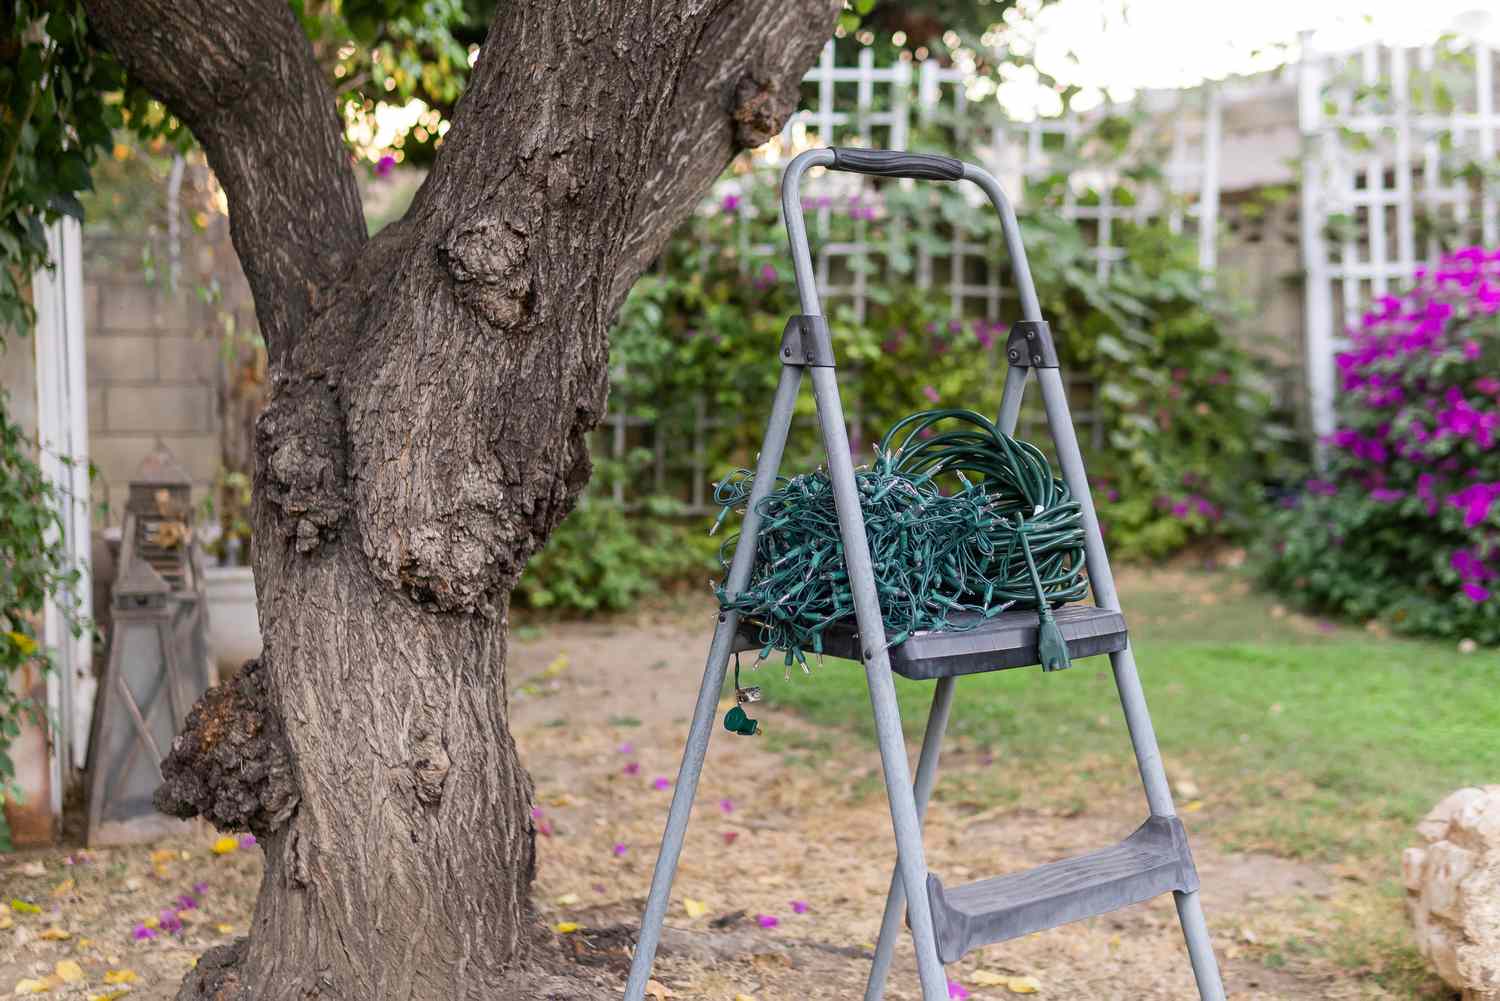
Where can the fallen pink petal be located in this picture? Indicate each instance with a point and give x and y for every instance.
(799, 907)
(199, 889)
(619, 849)
(634, 768)
(662, 783)
(626, 748)
(142, 933)
(766, 920)
(247, 841)
(726, 804)
(957, 990)
(729, 837)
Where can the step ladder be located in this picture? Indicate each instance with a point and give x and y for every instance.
(945, 922)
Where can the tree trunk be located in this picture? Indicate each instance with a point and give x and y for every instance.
(431, 393)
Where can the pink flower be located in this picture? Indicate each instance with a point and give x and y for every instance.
(731, 204)
(634, 768)
(626, 748)
(1477, 593)
(384, 167)
(930, 393)
(661, 784)
(170, 922)
(799, 907)
(619, 849)
(142, 933)
(766, 921)
(185, 903)
(726, 804)
(957, 990)
(200, 888)
(247, 841)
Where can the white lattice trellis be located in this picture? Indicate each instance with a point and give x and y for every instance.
(1383, 180)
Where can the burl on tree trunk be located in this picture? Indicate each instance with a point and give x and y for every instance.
(432, 389)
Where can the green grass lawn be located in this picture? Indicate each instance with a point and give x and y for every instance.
(1307, 739)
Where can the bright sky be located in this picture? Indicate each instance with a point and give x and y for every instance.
(1125, 45)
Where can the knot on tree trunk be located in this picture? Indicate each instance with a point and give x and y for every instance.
(486, 258)
(216, 975)
(229, 765)
(759, 110)
(300, 436)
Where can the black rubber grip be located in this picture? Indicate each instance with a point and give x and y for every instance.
(896, 163)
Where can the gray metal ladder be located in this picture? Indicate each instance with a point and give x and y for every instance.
(945, 923)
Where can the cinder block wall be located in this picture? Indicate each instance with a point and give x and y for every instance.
(155, 351)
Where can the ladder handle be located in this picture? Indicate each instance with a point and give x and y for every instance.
(897, 163)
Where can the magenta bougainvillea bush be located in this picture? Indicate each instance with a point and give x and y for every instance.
(1404, 526)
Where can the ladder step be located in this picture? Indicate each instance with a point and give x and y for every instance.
(1153, 860)
(1008, 640)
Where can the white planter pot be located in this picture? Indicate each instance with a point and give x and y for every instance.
(233, 626)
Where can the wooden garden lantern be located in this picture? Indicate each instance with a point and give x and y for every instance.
(158, 656)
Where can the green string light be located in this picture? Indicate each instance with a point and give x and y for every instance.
(965, 520)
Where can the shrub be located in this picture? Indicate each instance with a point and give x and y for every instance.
(1188, 429)
(604, 559)
(1404, 526)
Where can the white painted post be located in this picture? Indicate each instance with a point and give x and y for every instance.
(63, 429)
(1318, 295)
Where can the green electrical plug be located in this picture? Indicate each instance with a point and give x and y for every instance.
(736, 721)
(1051, 648)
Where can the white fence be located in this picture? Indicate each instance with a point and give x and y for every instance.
(1398, 161)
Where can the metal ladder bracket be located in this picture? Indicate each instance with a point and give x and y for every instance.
(1030, 345)
(806, 342)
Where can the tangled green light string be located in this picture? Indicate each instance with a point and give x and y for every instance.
(959, 521)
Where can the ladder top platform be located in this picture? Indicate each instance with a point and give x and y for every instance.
(1008, 640)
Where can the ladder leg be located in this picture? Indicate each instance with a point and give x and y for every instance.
(1127, 680)
(927, 762)
(898, 788)
(708, 693)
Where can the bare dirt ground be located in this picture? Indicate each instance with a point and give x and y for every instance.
(782, 883)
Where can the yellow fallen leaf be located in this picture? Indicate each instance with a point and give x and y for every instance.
(68, 971)
(31, 987)
(63, 889)
(225, 845)
(6, 921)
(55, 934)
(152, 922)
(558, 666)
(984, 978)
(1023, 985)
(120, 977)
(657, 989)
(184, 855)
(567, 900)
(163, 855)
(84, 943)
(1193, 807)
(565, 927)
(224, 929)
(743, 997)
(694, 908)
(24, 907)
(110, 995)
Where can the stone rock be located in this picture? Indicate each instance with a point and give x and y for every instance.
(1453, 891)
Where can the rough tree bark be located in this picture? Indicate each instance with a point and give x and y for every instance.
(431, 393)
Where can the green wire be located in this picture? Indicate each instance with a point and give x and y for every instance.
(962, 524)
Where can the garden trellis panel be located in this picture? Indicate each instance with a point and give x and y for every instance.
(1398, 151)
(865, 104)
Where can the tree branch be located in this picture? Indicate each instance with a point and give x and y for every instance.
(242, 76)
